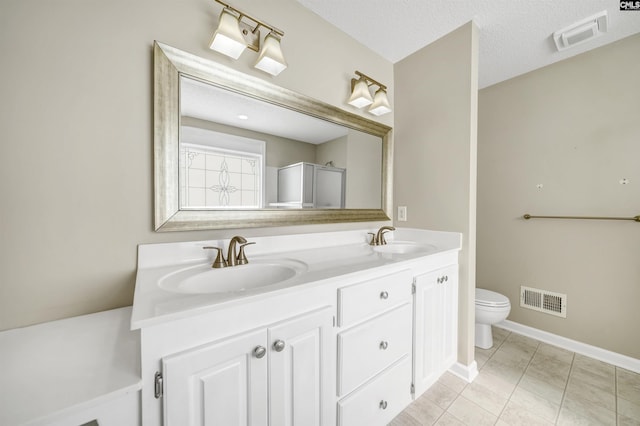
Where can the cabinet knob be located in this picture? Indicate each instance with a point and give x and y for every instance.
(384, 345)
(384, 295)
(278, 345)
(383, 404)
(259, 351)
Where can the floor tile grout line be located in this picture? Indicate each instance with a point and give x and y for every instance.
(495, 352)
(468, 384)
(521, 376)
(564, 391)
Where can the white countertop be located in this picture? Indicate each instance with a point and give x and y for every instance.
(50, 369)
(327, 255)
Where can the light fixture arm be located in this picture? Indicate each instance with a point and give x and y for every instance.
(258, 22)
(369, 80)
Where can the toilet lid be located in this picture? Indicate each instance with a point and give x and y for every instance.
(490, 298)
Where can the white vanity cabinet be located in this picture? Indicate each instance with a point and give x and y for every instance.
(278, 375)
(350, 341)
(374, 349)
(436, 325)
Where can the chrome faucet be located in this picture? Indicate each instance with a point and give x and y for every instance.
(232, 256)
(378, 238)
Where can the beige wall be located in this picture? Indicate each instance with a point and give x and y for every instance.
(364, 188)
(435, 155)
(76, 157)
(335, 150)
(572, 127)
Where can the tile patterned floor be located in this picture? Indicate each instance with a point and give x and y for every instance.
(525, 382)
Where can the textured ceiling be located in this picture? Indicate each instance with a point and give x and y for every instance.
(515, 35)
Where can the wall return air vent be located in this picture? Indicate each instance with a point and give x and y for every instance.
(582, 31)
(543, 301)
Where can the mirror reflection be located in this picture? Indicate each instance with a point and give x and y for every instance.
(237, 152)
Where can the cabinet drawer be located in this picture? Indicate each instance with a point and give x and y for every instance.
(369, 298)
(367, 349)
(379, 401)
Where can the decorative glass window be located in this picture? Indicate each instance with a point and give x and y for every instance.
(216, 177)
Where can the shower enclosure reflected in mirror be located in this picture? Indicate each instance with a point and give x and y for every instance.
(234, 151)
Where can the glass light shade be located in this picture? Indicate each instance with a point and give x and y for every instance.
(228, 38)
(271, 60)
(360, 95)
(380, 103)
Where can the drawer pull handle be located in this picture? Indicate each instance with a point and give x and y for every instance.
(383, 404)
(384, 345)
(259, 351)
(384, 295)
(278, 345)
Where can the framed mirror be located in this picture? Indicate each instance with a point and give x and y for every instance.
(235, 151)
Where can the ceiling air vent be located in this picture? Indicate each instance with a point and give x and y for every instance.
(581, 31)
(543, 301)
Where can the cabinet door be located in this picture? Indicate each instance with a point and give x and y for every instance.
(222, 383)
(435, 328)
(301, 373)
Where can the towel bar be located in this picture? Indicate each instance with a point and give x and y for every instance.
(635, 218)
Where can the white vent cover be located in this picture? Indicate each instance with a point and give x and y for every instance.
(581, 31)
(543, 301)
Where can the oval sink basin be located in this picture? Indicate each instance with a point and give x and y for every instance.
(203, 279)
(404, 247)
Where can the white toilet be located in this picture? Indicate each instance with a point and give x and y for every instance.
(491, 308)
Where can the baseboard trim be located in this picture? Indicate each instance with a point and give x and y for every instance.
(466, 372)
(595, 352)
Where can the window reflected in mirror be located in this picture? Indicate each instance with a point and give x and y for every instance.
(220, 171)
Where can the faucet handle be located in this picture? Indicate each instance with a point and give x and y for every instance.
(219, 262)
(373, 239)
(242, 258)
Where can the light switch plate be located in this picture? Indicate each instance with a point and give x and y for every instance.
(402, 213)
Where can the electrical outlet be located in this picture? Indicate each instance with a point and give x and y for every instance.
(402, 213)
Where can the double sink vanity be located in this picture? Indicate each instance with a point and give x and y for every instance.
(316, 329)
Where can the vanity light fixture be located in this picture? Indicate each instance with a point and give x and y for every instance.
(228, 38)
(234, 35)
(361, 95)
(380, 103)
(271, 60)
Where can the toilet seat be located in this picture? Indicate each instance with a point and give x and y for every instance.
(490, 298)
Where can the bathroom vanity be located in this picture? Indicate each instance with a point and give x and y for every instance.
(320, 329)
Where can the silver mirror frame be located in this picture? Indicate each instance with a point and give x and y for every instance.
(171, 63)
